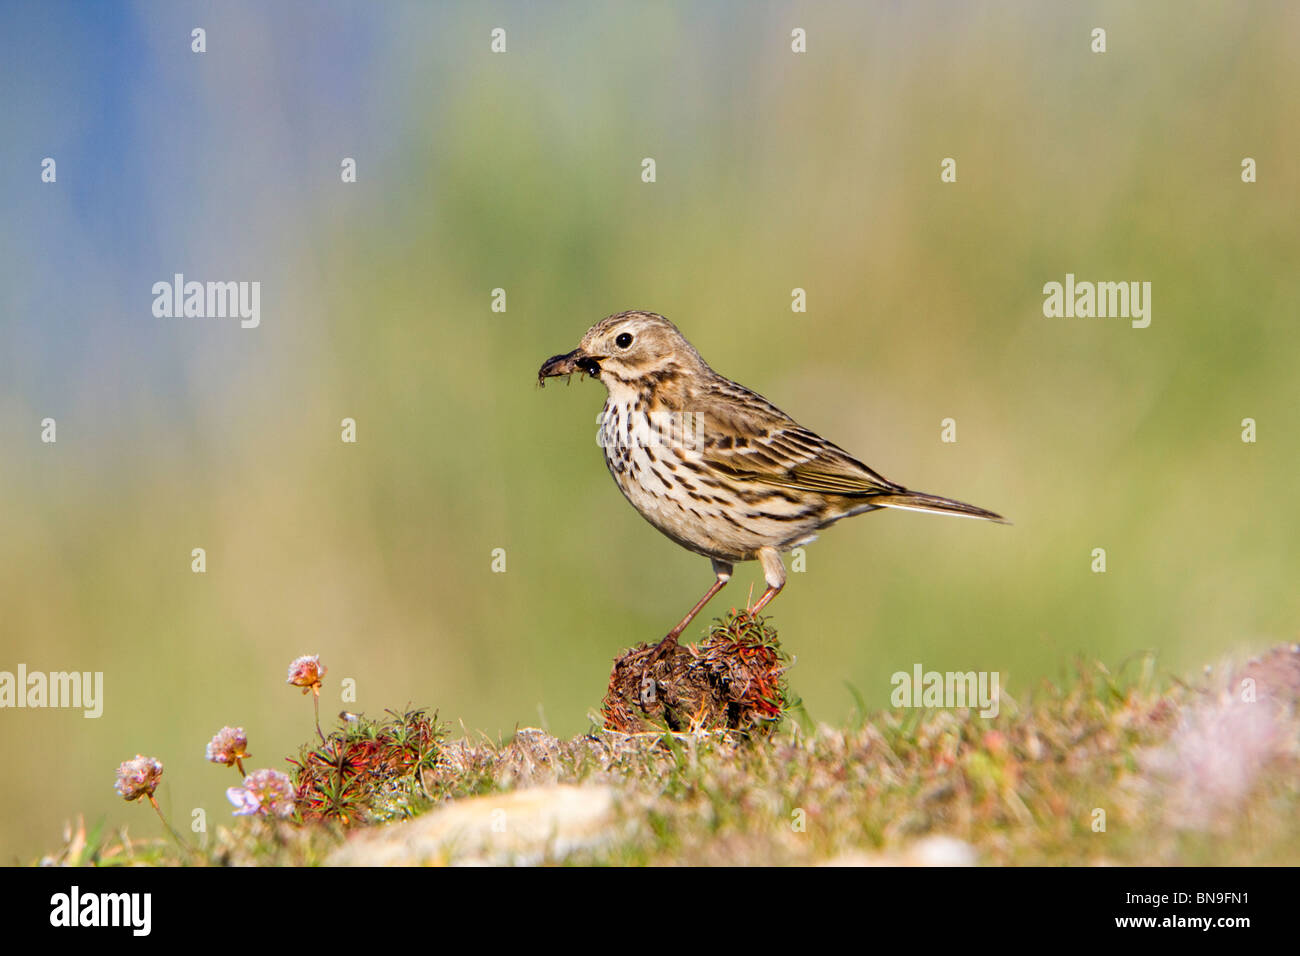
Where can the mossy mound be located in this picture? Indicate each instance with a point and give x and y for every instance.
(734, 679)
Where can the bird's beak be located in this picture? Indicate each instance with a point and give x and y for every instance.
(575, 361)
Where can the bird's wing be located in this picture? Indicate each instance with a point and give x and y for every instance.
(748, 439)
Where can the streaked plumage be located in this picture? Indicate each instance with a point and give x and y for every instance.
(714, 466)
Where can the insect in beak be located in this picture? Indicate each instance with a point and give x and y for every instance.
(574, 361)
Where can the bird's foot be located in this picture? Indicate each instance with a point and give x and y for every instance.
(662, 648)
(649, 686)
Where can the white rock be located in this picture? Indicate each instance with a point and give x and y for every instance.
(524, 827)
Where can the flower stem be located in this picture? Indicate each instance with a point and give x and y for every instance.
(170, 829)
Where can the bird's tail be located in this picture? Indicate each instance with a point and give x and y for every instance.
(916, 501)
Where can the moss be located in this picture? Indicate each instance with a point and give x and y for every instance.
(1110, 767)
(734, 679)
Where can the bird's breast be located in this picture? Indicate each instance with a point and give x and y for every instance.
(654, 458)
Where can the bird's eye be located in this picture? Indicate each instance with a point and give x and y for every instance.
(624, 340)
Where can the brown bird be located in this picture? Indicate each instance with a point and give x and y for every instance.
(714, 466)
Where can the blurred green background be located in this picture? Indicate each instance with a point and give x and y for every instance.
(522, 171)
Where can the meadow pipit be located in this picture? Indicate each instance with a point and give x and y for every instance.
(714, 466)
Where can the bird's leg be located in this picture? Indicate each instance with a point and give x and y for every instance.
(723, 571)
(773, 574)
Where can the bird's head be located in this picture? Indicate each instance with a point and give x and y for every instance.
(625, 350)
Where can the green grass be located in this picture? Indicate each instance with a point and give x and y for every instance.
(1184, 773)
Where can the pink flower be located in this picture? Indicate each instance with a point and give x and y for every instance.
(138, 778)
(265, 792)
(229, 746)
(307, 672)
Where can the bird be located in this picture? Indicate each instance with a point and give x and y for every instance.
(715, 466)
